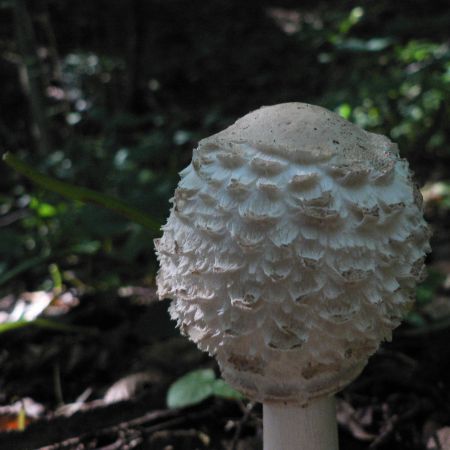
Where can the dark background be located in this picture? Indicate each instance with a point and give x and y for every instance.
(113, 95)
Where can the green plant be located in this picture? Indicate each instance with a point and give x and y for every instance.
(196, 386)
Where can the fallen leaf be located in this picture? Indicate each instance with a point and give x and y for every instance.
(19, 414)
(440, 440)
(129, 386)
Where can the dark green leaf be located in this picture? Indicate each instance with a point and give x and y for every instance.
(81, 194)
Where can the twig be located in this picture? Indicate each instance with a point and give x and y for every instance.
(85, 423)
(392, 423)
(57, 385)
(131, 438)
(247, 411)
(132, 429)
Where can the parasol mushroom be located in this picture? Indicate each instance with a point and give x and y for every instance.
(292, 250)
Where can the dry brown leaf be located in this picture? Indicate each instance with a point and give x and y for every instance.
(440, 440)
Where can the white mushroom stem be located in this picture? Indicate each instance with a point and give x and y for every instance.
(295, 427)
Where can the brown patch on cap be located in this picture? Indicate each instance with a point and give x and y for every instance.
(247, 363)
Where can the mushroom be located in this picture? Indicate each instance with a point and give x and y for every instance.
(291, 251)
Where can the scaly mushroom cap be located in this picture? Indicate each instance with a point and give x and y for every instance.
(292, 250)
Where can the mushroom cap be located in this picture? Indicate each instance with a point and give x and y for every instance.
(292, 250)
(304, 133)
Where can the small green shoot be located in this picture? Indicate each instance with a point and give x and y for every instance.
(55, 273)
(196, 386)
(21, 419)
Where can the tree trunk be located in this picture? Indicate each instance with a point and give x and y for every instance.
(30, 72)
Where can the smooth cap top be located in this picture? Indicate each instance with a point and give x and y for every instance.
(306, 133)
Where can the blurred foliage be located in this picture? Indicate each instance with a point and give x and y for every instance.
(130, 86)
(425, 294)
(427, 289)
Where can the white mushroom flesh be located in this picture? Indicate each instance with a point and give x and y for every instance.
(292, 250)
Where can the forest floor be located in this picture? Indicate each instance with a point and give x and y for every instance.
(98, 379)
(101, 384)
